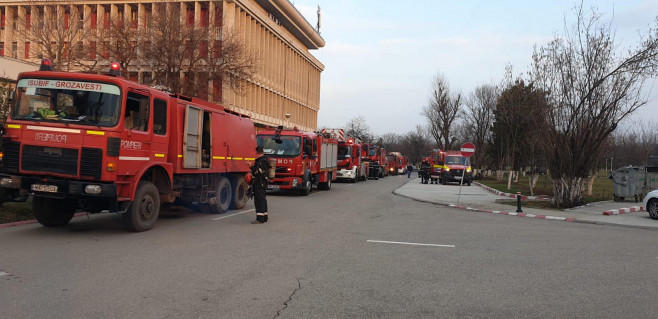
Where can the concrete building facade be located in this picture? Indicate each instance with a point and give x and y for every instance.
(286, 86)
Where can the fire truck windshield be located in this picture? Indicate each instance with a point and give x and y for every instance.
(85, 103)
(373, 151)
(282, 146)
(344, 152)
(459, 160)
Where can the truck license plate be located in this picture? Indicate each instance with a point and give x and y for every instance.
(458, 177)
(44, 188)
(273, 186)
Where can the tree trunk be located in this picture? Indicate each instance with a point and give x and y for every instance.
(590, 184)
(509, 180)
(568, 192)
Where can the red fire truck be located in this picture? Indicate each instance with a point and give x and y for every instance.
(449, 167)
(397, 164)
(350, 166)
(375, 156)
(101, 143)
(303, 159)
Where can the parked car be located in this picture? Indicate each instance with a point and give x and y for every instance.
(650, 204)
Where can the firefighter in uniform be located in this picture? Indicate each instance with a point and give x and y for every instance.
(259, 171)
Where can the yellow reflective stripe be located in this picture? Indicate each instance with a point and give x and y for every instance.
(180, 155)
(217, 157)
(96, 132)
(249, 159)
(237, 158)
(159, 155)
(228, 157)
(13, 126)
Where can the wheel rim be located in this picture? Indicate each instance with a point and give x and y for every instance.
(308, 186)
(223, 195)
(147, 207)
(653, 208)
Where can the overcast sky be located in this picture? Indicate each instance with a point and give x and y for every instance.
(380, 55)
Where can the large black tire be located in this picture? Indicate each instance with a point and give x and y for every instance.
(53, 212)
(239, 193)
(308, 187)
(652, 208)
(144, 210)
(221, 201)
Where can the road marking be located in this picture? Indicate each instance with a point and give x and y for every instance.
(2, 273)
(238, 213)
(405, 243)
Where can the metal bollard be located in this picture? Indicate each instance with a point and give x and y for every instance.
(518, 202)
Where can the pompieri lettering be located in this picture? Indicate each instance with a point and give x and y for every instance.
(50, 137)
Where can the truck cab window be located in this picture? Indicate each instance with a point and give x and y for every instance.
(159, 117)
(136, 115)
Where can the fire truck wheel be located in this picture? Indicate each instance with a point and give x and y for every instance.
(308, 187)
(356, 177)
(327, 185)
(144, 210)
(51, 212)
(240, 195)
(223, 196)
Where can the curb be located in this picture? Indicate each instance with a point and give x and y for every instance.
(488, 211)
(497, 192)
(566, 219)
(623, 210)
(30, 221)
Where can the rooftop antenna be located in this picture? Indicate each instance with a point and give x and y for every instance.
(319, 19)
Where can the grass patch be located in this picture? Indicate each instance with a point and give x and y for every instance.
(601, 190)
(14, 211)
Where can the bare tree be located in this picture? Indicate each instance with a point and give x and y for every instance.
(186, 56)
(592, 88)
(415, 144)
(118, 42)
(56, 32)
(519, 115)
(389, 141)
(358, 128)
(441, 112)
(479, 116)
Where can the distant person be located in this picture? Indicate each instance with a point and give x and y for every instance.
(409, 169)
(259, 171)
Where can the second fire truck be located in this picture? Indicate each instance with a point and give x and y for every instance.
(303, 159)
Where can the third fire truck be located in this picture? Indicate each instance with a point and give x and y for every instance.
(350, 165)
(450, 166)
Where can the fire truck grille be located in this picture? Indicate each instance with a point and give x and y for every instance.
(282, 170)
(50, 159)
(10, 158)
(91, 162)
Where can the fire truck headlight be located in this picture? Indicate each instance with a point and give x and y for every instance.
(294, 182)
(93, 189)
(4, 182)
(468, 170)
(111, 166)
(447, 169)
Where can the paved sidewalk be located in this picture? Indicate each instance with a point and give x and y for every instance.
(478, 199)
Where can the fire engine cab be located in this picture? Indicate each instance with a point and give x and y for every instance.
(101, 143)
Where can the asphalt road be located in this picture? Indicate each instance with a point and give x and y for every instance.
(327, 255)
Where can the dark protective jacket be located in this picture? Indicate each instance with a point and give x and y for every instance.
(259, 171)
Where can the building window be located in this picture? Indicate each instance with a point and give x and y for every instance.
(94, 19)
(217, 90)
(92, 50)
(218, 16)
(190, 16)
(28, 21)
(27, 50)
(216, 49)
(2, 21)
(2, 49)
(67, 17)
(14, 50)
(203, 49)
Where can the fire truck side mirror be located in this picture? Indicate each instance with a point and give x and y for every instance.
(12, 97)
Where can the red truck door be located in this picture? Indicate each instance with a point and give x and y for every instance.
(135, 151)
